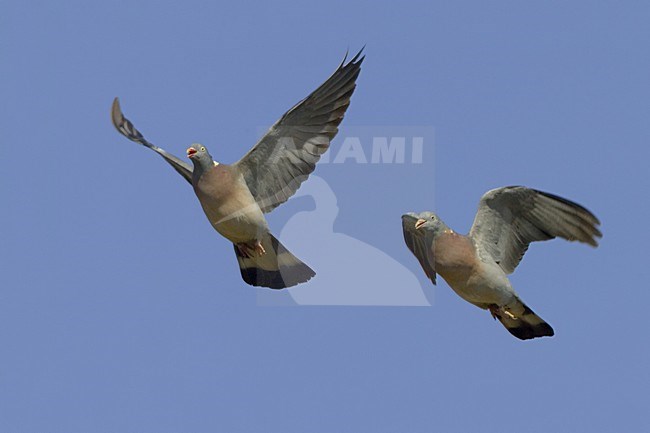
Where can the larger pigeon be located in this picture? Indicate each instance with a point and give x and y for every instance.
(235, 197)
(476, 266)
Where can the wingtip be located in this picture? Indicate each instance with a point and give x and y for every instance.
(116, 113)
(356, 60)
(345, 57)
(408, 215)
(358, 56)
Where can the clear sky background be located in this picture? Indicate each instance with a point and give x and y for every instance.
(121, 310)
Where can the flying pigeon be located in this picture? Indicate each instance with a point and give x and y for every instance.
(236, 197)
(476, 266)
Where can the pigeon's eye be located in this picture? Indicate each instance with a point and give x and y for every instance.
(433, 218)
(202, 149)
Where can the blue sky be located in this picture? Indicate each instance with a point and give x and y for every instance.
(121, 310)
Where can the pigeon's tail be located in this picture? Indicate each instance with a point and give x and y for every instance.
(277, 268)
(522, 322)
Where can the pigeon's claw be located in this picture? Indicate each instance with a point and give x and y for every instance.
(251, 249)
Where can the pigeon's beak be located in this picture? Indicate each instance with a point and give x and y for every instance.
(419, 223)
(191, 151)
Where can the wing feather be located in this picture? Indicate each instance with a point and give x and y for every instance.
(419, 246)
(510, 218)
(126, 128)
(287, 154)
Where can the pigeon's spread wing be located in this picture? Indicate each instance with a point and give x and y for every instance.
(126, 128)
(510, 218)
(417, 243)
(289, 151)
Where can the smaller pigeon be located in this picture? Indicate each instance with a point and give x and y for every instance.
(236, 197)
(476, 266)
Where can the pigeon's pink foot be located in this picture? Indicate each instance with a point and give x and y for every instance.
(259, 249)
(251, 249)
(498, 312)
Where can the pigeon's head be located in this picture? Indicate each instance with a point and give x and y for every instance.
(423, 222)
(198, 152)
(201, 159)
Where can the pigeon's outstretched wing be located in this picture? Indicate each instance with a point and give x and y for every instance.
(510, 218)
(126, 128)
(420, 246)
(289, 151)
